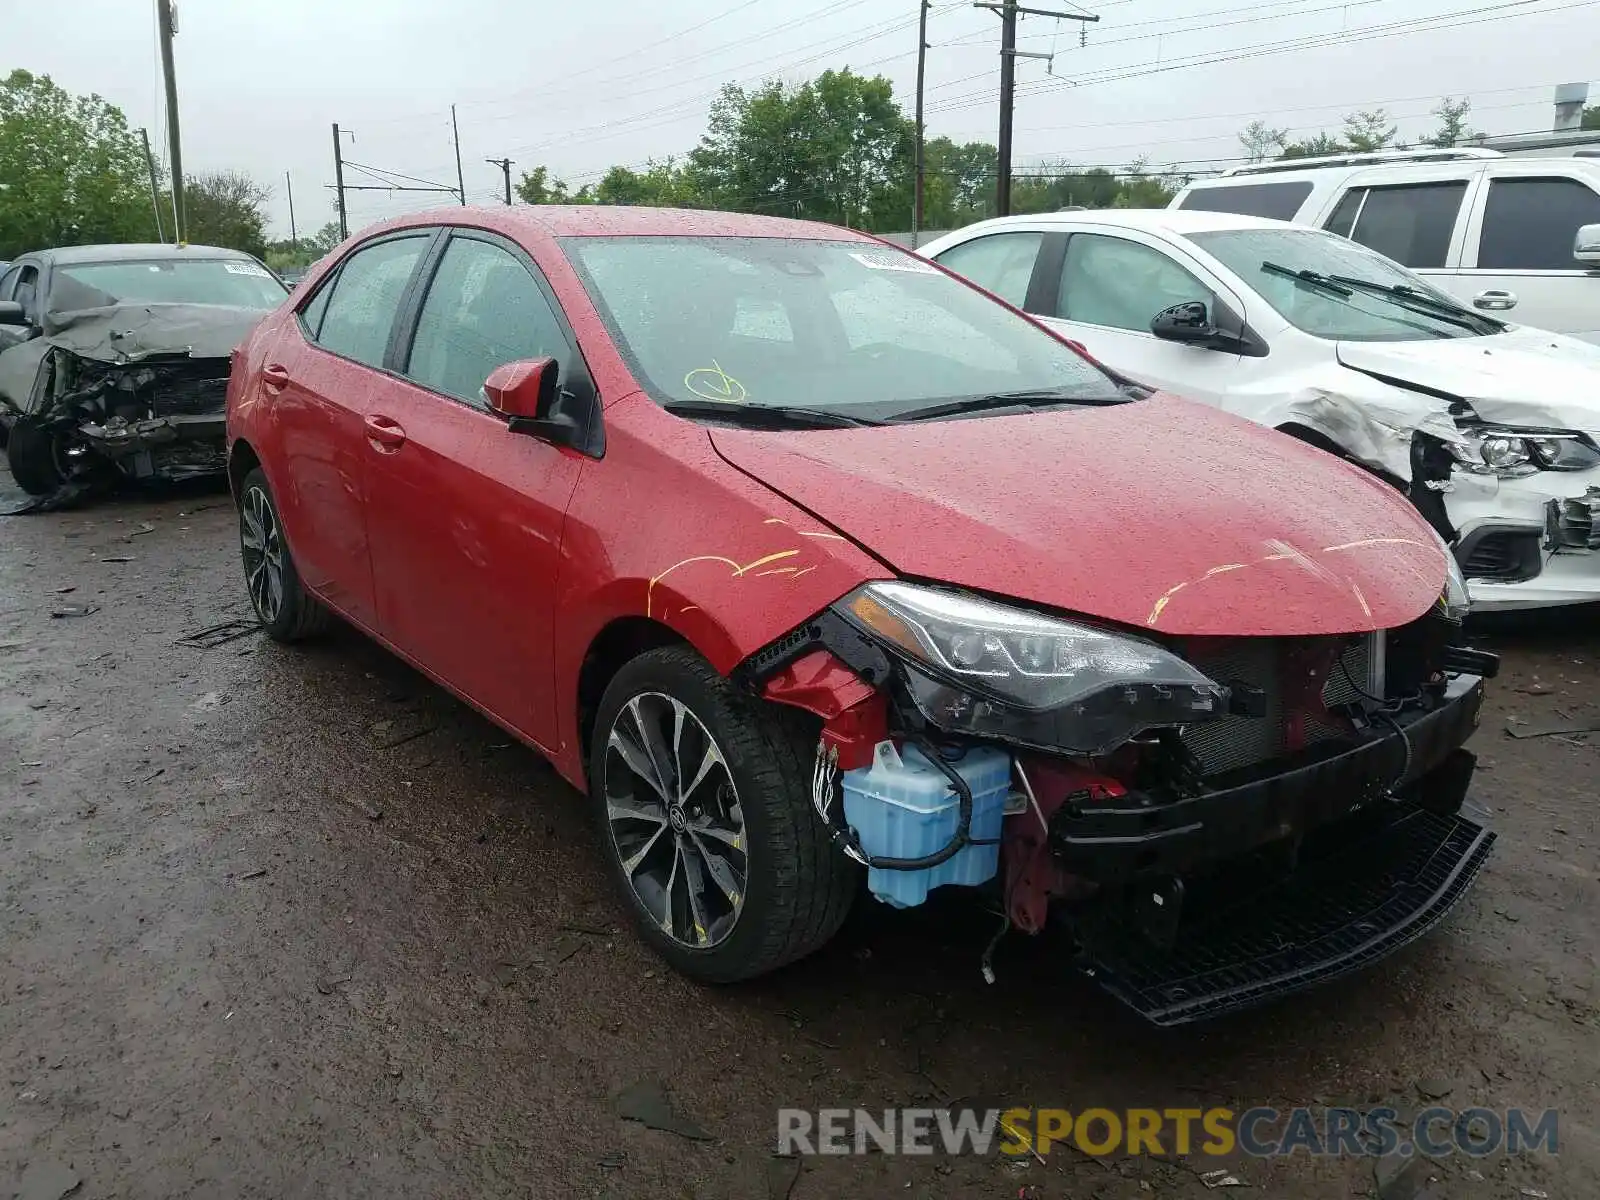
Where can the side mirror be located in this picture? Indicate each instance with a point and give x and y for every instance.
(528, 393)
(1586, 245)
(1188, 322)
(11, 313)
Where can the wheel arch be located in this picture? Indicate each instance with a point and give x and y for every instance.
(242, 459)
(615, 645)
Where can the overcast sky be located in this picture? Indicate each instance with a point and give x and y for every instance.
(579, 87)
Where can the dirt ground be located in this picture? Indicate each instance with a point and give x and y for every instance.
(223, 973)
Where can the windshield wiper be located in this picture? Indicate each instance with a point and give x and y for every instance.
(1028, 400)
(1322, 281)
(1446, 309)
(1401, 295)
(766, 416)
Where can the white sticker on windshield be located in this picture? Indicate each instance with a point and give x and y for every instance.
(888, 260)
(246, 268)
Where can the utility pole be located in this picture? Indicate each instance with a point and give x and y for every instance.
(1009, 11)
(155, 192)
(168, 27)
(294, 235)
(461, 183)
(338, 181)
(922, 63)
(505, 169)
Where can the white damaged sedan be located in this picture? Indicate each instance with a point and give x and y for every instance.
(1492, 429)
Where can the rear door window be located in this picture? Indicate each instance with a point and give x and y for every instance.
(359, 316)
(1001, 263)
(1530, 224)
(1280, 201)
(1411, 223)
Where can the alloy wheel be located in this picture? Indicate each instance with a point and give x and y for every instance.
(261, 544)
(675, 820)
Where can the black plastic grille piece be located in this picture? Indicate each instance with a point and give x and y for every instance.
(1503, 555)
(1369, 888)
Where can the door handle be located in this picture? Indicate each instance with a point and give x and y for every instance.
(1495, 300)
(385, 434)
(274, 377)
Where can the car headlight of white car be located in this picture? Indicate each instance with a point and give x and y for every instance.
(1511, 453)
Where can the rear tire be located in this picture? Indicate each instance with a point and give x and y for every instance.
(730, 873)
(34, 456)
(285, 609)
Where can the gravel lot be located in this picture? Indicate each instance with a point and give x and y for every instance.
(223, 973)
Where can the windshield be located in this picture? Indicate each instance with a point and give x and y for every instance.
(850, 327)
(1361, 316)
(239, 283)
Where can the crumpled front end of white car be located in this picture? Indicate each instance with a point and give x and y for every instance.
(1525, 507)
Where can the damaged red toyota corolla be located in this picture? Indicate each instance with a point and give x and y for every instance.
(801, 556)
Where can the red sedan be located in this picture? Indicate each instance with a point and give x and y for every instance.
(817, 567)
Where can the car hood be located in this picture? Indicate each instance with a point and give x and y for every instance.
(1519, 377)
(1161, 514)
(128, 332)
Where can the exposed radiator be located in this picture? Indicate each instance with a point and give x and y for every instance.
(1237, 741)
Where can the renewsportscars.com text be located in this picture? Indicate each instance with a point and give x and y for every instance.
(1259, 1132)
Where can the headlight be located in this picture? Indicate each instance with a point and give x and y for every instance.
(1454, 599)
(1510, 453)
(989, 669)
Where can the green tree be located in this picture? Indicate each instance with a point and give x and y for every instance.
(323, 240)
(958, 182)
(1591, 117)
(662, 184)
(538, 186)
(837, 148)
(1260, 141)
(1372, 130)
(226, 208)
(1321, 145)
(285, 254)
(71, 171)
(1453, 128)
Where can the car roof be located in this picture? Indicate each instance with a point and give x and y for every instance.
(132, 252)
(1181, 221)
(608, 220)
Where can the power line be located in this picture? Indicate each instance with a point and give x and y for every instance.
(1318, 41)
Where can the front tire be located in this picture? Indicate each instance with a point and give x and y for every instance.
(285, 609)
(34, 456)
(702, 802)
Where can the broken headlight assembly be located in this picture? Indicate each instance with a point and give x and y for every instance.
(976, 667)
(1454, 600)
(1512, 453)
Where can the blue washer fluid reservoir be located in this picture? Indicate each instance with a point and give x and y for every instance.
(903, 806)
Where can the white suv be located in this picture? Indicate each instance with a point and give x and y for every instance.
(1493, 430)
(1493, 230)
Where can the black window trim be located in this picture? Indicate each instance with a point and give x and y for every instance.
(578, 382)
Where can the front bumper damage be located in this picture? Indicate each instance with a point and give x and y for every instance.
(130, 392)
(1528, 542)
(1193, 893)
(1269, 886)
